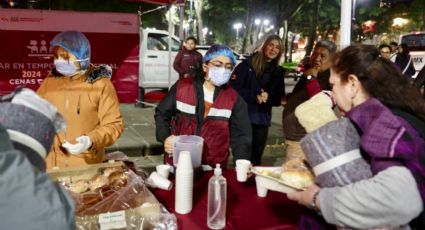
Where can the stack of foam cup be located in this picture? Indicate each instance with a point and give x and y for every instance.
(184, 183)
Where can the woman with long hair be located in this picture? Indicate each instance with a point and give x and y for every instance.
(389, 114)
(259, 79)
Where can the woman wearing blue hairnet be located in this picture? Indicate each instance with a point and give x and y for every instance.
(208, 107)
(86, 98)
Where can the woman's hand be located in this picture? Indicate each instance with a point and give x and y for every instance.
(262, 97)
(169, 144)
(306, 197)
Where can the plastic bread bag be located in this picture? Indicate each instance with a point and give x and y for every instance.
(122, 201)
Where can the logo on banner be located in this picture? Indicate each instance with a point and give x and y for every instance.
(38, 48)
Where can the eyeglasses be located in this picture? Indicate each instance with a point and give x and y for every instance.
(220, 64)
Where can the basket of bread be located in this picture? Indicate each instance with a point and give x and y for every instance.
(107, 194)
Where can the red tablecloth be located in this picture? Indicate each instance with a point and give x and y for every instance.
(245, 210)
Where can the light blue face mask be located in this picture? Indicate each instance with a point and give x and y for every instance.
(66, 68)
(219, 75)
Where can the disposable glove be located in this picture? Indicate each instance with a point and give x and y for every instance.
(83, 143)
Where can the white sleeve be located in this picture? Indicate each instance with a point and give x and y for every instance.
(390, 198)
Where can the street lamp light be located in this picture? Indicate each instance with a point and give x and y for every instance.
(237, 26)
(257, 21)
(263, 25)
(399, 22)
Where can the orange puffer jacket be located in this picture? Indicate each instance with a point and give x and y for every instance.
(90, 106)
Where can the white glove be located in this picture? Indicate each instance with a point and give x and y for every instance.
(83, 144)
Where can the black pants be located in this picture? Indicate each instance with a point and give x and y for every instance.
(259, 138)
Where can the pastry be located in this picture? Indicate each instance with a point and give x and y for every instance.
(97, 182)
(79, 186)
(108, 171)
(299, 179)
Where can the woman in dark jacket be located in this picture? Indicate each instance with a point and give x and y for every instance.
(404, 61)
(260, 81)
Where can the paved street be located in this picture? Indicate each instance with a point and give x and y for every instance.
(138, 140)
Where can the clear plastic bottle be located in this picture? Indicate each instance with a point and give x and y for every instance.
(217, 195)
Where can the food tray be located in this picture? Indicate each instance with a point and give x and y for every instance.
(273, 174)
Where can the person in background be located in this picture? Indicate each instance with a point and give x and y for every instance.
(404, 61)
(188, 61)
(385, 51)
(314, 80)
(30, 199)
(85, 96)
(394, 50)
(208, 107)
(259, 80)
(419, 81)
(389, 115)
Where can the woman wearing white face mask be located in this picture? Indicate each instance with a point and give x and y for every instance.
(259, 79)
(86, 98)
(207, 107)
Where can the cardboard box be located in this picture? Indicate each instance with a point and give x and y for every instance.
(119, 217)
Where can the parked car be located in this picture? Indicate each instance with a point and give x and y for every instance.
(416, 43)
(302, 66)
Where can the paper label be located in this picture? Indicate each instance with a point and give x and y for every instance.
(112, 220)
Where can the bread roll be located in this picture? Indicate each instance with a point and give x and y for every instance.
(79, 186)
(299, 179)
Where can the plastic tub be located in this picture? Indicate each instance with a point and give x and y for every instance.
(191, 143)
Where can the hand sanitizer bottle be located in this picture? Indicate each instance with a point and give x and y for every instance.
(217, 193)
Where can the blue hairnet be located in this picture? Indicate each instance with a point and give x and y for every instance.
(76, 43)
(219, 50)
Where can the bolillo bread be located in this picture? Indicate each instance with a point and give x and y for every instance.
(299, 179)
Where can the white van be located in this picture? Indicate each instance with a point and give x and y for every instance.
(416, 43)
(154, 59)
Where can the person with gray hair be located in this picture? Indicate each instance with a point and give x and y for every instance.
(30, 199)
(314, 80)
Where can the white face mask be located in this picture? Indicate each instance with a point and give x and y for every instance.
(219, 75)
(66, 68)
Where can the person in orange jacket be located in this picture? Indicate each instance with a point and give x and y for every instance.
(86, 98)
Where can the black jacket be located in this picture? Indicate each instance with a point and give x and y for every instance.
(249, 86)
(240, 126)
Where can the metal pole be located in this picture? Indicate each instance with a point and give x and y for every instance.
(345, 23)
(170, 28)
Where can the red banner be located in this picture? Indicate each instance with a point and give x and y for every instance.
(25, 37)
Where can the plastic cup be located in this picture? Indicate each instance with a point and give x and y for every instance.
(242, 168)
(163, 170)
(261, 190)
(157, 181)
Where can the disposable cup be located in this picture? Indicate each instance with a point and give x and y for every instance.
(157, 181)
(242, 168)
(261, 190)
(163, 170)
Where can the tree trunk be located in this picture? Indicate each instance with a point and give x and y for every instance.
(313, 28)
(199, 8)
(247, 36)
(285, 40)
